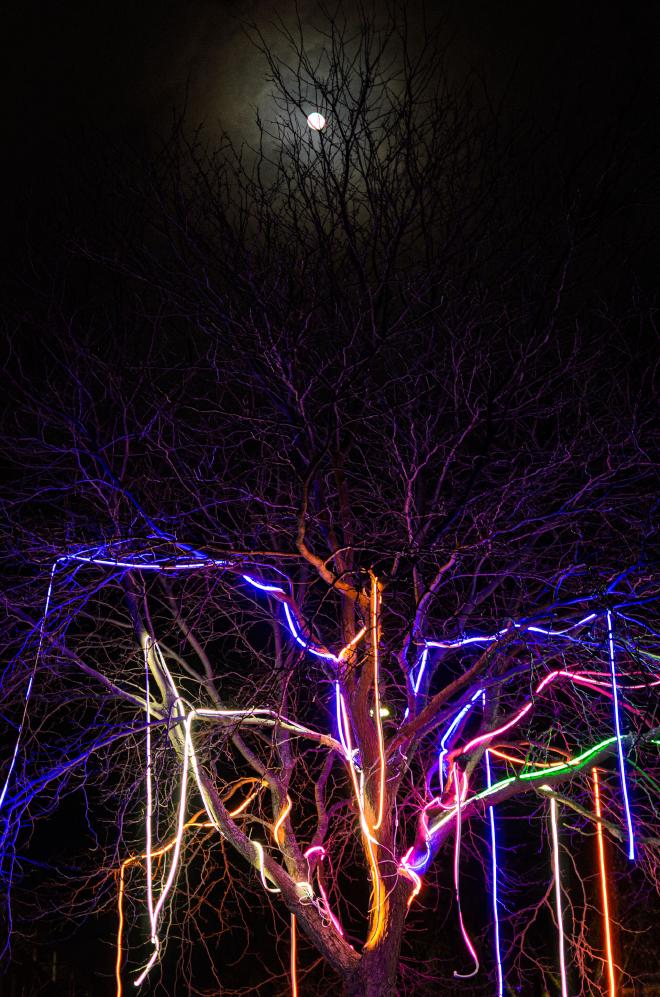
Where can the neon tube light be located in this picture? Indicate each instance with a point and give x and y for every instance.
(560, 918)
(278, 829)
(493, 854)
(294, 968)
(28, 690)
(611, 978)
(557, 768)
(460, 791)
(617, 727)
(375, 623)
(450, 730)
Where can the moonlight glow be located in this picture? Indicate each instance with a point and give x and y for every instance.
(316, 121)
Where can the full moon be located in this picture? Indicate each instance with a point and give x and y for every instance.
(316, 121)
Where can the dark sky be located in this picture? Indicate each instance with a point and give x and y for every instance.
(83, 72)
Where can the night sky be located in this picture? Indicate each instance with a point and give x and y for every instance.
(104, 76)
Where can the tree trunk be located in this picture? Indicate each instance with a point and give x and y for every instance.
(372, 980)
(378, 969)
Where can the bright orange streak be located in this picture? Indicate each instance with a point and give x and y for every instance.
(375, 601)
(133, 859)
(120, 896)
(294, 973)
(601, 858)
(524, 761)
(516, 761)
(380, 900)
(379, 896)
(120, 927)
(603, 886)
(280, 820)
(351, 644)
(412, 875)
(245, 803)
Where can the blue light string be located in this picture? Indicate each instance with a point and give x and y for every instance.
(617, 727)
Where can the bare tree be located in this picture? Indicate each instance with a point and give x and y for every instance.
(329, 553)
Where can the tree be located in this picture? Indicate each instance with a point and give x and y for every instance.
(340, 503)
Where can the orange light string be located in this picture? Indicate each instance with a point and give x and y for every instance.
(611, 978)
(294, 950)
(163, 850)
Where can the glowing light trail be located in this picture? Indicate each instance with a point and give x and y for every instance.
(149, 804)
(28, 689)
(195, 561)
(490, 638)
(262, 870)
(557, 768)
(460, 792)
(133, 860)
(560, 918)
(558, 673)
(450, 730)
(617, 727)
(493, 855)
(154, 911)
(278, 828)
(322, 855)
(375, 624)
(611, 978)
(294, 968)
(408, 870)
(379, 894)
(417, 680)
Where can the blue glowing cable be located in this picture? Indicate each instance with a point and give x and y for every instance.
(617, 727)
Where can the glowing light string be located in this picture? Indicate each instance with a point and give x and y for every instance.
(195, 823)
(460, 793)
(444, 748)
(493, 855)
(294, 968)
(493, 858)
(417, 680)
(379, 905)
(278, 827)
(28, 689)
(326, 904)
(154, 911)
(133, 860)
(611, 978)
(617, 727)
(375, 624)
(490, 638)
(560, 917)
(338, 694)
(379, 895)
(262, 870)
(409, 870)
(196, 561)
(558, 673)
(149, 803)
(557, 768)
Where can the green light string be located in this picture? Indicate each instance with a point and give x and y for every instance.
(573, 765)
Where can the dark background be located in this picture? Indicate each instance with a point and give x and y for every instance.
(89, 81)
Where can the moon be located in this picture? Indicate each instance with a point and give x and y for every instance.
(316, 121)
